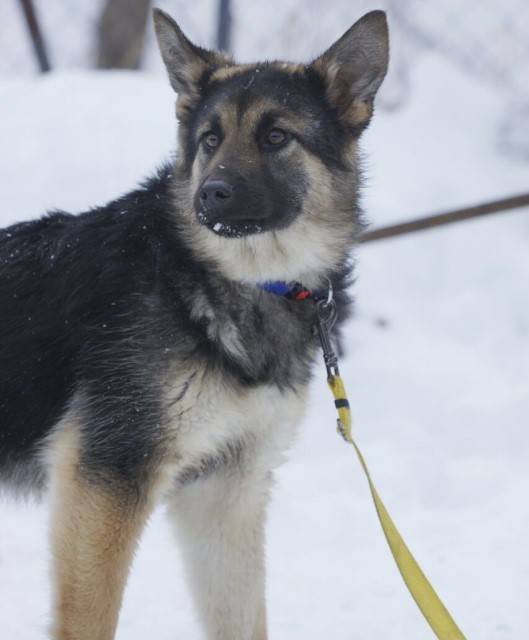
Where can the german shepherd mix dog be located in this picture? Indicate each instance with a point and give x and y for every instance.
(145, 353)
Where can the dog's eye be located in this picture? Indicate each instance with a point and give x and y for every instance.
(276, 137)
(211, 140)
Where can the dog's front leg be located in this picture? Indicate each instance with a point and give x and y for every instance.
(220, 525)
(95, 528)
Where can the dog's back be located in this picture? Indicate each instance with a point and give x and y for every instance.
(64, 282)
(35, 345)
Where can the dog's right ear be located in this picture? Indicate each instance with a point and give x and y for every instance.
(354, 67)
(185, 62)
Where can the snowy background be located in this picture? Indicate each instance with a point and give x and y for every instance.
(437, 366)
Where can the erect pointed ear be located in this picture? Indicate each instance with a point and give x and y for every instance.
(185, 62)
(354, 67)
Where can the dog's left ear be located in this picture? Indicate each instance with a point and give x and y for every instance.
(185, 62)
(354, 67)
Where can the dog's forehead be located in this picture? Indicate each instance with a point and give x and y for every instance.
(274, 70)
(249, 91)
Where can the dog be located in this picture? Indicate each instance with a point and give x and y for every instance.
(155, 348)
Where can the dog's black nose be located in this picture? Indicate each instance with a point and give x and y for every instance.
(214, 194)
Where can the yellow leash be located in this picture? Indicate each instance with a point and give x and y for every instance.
(423, 593)
(434, 611)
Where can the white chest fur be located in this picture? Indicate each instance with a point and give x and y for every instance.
(211, 416)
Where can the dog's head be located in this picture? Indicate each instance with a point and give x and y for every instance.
(267, 171)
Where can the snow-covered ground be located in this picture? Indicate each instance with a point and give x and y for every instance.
(437, 371)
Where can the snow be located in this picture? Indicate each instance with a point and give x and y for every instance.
(437, 372)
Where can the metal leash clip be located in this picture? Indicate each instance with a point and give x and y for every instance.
(325, 319)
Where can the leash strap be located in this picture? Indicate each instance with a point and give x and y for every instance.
(431, 606)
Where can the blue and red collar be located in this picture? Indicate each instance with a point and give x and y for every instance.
(292, 290)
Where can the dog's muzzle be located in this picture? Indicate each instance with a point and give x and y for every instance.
(224, 208)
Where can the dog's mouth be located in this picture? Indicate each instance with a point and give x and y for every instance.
(232, 228)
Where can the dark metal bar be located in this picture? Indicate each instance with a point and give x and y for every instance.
(39, 45)
(224, 26)
(449, 217)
